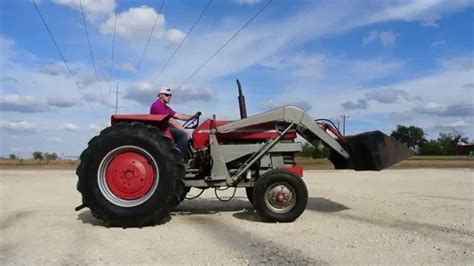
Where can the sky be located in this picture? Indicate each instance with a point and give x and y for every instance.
(381, 63)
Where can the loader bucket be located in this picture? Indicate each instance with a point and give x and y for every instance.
(376, 151)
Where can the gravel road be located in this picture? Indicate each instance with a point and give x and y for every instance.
(393, 216)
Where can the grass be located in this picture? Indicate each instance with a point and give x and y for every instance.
(38, 164)
(413, 162)
(305, 162)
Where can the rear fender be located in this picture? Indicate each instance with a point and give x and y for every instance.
(160, 121)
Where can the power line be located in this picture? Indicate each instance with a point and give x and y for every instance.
(90, 49)
(227, 42)
(61, 54)
(181, 43)
(113, 43)
(146, 45)
(149, 38)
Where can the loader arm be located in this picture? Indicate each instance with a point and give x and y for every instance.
(365, 151)
(305, 126)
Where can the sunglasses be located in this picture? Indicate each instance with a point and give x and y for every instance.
(167, 95)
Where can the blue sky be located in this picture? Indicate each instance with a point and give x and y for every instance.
(382, 63)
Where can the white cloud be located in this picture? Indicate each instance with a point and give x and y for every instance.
(468, 86)
(56, 140)
(92, 8)
(18, 125)
(175, 36)
(360, 104)
(86, 77)
(299, 65)
(387, 38)
(70, 127)
(137, 23)
(96, 127)
(22, 104)
(97, 97)
(428, 12)
(465, 62)
(318, 66)
(459, 123)
(277, 104)
(53, 69)
(21, 148)
(247, 2)
(145, 94)
(127, 67)
(387, 95)
(454, 110)
(62, 102)
(9, 80)
(7, 46)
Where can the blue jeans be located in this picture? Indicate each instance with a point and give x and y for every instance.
(181, 139)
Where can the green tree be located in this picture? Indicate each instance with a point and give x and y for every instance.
(432, 147)
(411, 136)
(310, 151)
(449, 141)
(50, 156)
(12, 157)
(37, 155)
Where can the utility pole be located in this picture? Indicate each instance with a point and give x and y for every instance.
(344, 117)
(116, 92)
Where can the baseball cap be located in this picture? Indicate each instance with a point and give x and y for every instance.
(164, 90)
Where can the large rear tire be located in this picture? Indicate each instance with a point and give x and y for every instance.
(280, 196)
(249, 193)
(131, 175)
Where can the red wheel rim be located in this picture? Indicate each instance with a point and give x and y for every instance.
(130, 176)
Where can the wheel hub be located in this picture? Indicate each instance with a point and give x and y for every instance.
(129, 175)
(280, 198)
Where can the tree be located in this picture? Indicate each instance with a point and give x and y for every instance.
(411, 136)
(449, 141)
(432, 147)
(37, 155)
(310, 151)
(50, 156)
(12, 157)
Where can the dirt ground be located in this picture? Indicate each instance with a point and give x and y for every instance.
(394, 216)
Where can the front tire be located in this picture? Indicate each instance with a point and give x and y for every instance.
(280, 196)
(131, 175)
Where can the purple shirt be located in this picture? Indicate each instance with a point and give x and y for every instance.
(160, 108)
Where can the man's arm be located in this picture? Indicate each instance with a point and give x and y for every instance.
(175, 124)
(182, 116)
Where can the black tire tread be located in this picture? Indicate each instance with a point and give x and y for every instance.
(161, 213)
(279, 175)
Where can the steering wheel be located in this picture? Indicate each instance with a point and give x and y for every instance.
(193, 122)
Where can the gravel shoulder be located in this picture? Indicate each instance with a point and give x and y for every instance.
(394, 216)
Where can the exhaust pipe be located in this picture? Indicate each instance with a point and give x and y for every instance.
(242, 107)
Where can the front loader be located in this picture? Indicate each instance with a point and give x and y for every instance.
(133, 175)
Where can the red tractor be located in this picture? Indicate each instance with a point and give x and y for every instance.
(133, 175)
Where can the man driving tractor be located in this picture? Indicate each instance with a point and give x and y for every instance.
(160, 107)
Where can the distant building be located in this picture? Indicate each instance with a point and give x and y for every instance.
(465, 149)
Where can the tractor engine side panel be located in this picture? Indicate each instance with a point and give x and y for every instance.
(251, 134)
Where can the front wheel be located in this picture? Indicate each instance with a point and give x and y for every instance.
(280, 196)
